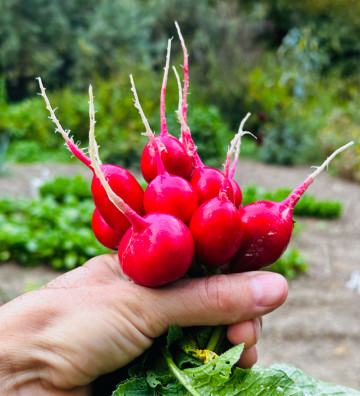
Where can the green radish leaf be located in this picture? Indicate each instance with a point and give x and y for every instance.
(311, 386)
(134, 387)
(161, 373)
(219, 377)
(174, 334)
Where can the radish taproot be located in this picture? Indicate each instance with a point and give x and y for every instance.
(216, 225)
(268, 226)
(166, 193)
(158, 248)
(174, 156)
(122, 182)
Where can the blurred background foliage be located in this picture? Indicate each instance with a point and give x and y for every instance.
(293, 65)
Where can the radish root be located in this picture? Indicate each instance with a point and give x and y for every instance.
(69, 141)
(186, 72)
(187, 140)
(325, 164)
(163, 128)
(149, 133)
(240, 133)
(294, 197)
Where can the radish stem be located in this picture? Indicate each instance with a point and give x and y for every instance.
(216, 335)
(182, 377)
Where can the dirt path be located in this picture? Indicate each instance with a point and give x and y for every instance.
(318, 328)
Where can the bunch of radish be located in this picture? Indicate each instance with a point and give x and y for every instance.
(188, 212)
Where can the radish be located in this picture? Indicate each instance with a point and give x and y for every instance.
(104, 233)
(216, 225)
(268, 226)
(158, 248)
(206, 181)
(122, 182)
(174, 156)
(166, 193)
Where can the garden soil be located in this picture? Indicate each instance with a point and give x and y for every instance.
(318, 327)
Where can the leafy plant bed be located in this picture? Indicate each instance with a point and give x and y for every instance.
(51, 229)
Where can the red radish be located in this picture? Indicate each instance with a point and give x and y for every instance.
(174, 156)
(122, 182)
(158, 248)
(166, 193)
(206, 181)
(103, 233)
(237, 193)
(216, 225)
(125, 186)
(268, 226)
(235, 186)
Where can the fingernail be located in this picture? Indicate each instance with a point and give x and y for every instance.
(269, 289)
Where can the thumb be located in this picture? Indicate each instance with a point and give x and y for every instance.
(219, 299)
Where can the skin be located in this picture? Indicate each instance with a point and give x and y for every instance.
(92, 320)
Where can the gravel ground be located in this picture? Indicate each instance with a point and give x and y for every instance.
(318, 327)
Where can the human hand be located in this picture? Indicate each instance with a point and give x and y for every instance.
(93, 320)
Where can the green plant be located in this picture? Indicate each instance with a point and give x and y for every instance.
(52, 230)
(63, 188)
(291, 264)
(174, 366)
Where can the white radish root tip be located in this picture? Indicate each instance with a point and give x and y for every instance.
(326, 163)
(186, 71)
(149, 133)
(237, 137)
(65, 133)
(137, 105)
(163, 128)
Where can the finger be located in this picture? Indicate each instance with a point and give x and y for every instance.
(216, 300)
(248, 358)
(245, 332)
